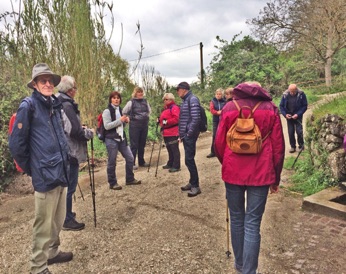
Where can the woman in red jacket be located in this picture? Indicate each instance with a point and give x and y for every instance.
(169, 120)
(254, 174)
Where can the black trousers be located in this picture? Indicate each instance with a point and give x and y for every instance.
(172, 146)
(295, 126)
(138, 138)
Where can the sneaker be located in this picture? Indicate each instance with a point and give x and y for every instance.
(166, 167)
(134, 182)
(62, 257)
(115, 187)
(292, 150)
(211, 155)
(194, 192)
(135, 167)
(174, 169)
(45, 271)
(186, 188)
(73, 225)
(144, 165)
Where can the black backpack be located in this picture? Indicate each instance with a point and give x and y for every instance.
(203, 123)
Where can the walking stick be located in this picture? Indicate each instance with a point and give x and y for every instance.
(151, 156)
(301, 150)
(228, 253)
(152, 150)
(158, 157)
(81, 193)
(92, 177)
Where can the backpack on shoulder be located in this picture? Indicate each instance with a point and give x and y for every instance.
(11, 124)
(203, 122)
(100, 130)
(244, 136)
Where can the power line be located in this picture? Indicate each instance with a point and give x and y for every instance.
(154, 55)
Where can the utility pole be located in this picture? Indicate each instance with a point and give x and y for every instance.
(201, 61)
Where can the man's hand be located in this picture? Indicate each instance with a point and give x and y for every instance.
(288, 116)
(295, 116)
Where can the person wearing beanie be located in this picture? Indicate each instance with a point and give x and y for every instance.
(188, 133)
(39, 146)
(77, 137)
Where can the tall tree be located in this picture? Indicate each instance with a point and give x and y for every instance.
(319, 26)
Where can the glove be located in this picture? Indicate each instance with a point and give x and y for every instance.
(164, 122)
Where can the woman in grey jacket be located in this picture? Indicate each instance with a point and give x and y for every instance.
(138, 109)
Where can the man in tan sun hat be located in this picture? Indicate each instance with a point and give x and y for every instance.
(39, 146)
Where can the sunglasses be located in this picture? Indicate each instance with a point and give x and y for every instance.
(44, 81)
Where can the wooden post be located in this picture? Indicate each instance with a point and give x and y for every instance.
(201, 61)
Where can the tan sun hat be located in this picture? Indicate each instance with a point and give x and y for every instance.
(43, 69)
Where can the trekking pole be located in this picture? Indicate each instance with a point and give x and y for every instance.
(151, 156)
(91, 177)
(80, 190)
(92, 185)
(301, 150)
(152, 150)
(228, 253)
(158, 157)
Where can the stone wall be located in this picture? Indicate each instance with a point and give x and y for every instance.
(329, 135)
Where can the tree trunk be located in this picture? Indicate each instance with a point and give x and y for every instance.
(328, 72)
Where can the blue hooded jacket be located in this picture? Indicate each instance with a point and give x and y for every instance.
(38, 143)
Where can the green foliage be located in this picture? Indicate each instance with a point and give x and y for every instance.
(309, 179)
(335, 106)
(244, 60)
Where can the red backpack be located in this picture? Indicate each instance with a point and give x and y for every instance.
(10, 128)
(100, 130)
(11, 124)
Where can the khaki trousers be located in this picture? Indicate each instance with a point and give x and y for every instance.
(50, 211)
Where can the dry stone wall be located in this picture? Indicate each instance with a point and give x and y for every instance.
(329, 135)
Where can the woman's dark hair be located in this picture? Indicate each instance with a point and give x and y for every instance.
(114, 94)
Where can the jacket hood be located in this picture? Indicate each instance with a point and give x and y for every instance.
(245, 91)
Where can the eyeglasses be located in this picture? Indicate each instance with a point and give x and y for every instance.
(44, 81)
(165, 99)
(75, 88)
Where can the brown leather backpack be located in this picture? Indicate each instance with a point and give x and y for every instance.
(244, 136)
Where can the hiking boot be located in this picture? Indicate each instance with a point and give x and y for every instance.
(194, 192)
(115, 187)
(166, 167)
(135, 167)
(186, 188)
(134, 182)
(62, 257)
(144, 165)
(45, 271)
(292, 150)
(174, 169)
(73, 225)
(211, 155)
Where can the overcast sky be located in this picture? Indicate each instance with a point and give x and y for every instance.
(167, 26)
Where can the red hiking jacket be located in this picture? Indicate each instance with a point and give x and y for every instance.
(259, 169)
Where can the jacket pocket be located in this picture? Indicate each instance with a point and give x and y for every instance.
(52, 169)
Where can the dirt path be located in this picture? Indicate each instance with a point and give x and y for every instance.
(155, 228)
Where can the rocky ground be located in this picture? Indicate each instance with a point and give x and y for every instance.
(156, 228)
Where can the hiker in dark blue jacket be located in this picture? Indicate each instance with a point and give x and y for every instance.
(188, 133)
(292, 106)
(39, 146)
